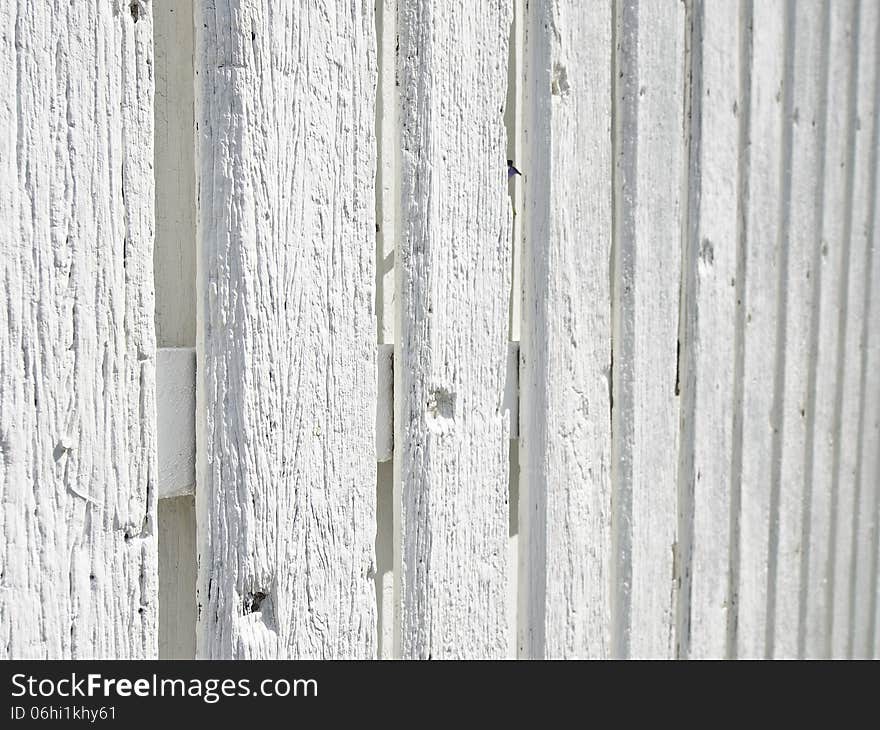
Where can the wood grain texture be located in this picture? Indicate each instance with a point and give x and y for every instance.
(286, 480)
(852, 513)
(649, 191)
(708, 469)
(77, 345)
(824, 415)
(565, 351)
(452, 268)
(764, 249)
(803, 91)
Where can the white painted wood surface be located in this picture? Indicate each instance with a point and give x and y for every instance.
(852, 513)
(689, 260)
(708, 469)
(866, 478)
(867, 559)
(387, 213)
(803, 91)
(175, 419)
(825, 421)
(77, 350)
(384, 402)
(287, 386)
(565, 350)
(649, 189)
(514, 119)
(175, 167)
(174, 263)
(452, 268)
(763, 249)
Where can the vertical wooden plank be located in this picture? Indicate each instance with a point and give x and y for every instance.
(708, 470)
(867, 520)
(387, 212)
(868, 556)
(802, 92)
(174, 262)
(513, 121)
(286, 492)
(565, 352)
(177, 578)
(650, 171)
(851, 358)
(824, 416)
(764, 251)
(77, 349)
(174, 257)
(452, 270)
(388, 151)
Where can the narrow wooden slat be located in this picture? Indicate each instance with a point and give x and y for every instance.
(287, 382)
(452, 271)
(823, 425)
(565, 352)
(867, 519)
(708, 472)
(175, 281)
(868, 556)
(77, 344)
(175, 250)
(177, 578)
(387, 179)
(802, 91)
(513, 121)
(764, 252)
(387, 211)
(853, 514)
(650, 200)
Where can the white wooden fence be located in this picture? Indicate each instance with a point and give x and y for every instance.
(627, 404)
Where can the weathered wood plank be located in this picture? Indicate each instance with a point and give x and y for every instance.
(713, 284)
(853, 514)
(868, 557)
(823, 417)
(287, 338)
(867, 476)
(452, 268)
(764, 208)
(651, 172)
(802, 91)
(77, 344)
(565, 352)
